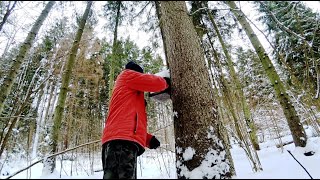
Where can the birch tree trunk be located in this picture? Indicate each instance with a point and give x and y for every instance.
(196, 120)
(296, 128)
(49, 164)
(10, 78)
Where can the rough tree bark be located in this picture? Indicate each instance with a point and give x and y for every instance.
(196, 121)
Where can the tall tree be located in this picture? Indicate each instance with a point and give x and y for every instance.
(28, 42)
(228, 97)
(296, 128)
(49, 164)
(196, 121)
(113, 8)
(239, 87)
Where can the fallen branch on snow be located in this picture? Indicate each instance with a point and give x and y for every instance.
(67, 150)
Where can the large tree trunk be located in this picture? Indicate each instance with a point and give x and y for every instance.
(196, 121)
(9, 80)
(296, 128)
(49, 164)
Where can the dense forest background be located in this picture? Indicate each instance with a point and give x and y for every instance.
(237, 78)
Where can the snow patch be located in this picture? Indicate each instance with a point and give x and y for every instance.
(175, 114)
(188, 153)
(212, 136)
(163, 73)
(212, 166)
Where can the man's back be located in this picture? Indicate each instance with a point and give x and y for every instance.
(127, 117)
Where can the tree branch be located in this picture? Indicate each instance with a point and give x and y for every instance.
(67, 150)
(206, 8)
(17, 117)
(141, 11)
(281, 26)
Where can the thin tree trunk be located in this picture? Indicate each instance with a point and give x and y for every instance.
(9, 10)
(28, 42)
(20, 109)
(115, 47)
(196, 120)
(161, 31)
(296, 128)
(37, 126)
(49, 165)
(240, 129)
(235, 79)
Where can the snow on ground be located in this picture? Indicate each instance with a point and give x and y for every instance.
(280, 165)
(159, 164)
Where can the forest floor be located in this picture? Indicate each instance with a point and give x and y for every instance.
(277, 163)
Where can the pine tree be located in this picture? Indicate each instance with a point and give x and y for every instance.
(296, 36)
(49, 164)
(113, 9)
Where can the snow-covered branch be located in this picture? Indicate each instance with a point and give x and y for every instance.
(281, 26)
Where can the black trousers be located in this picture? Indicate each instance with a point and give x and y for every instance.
(119, 160)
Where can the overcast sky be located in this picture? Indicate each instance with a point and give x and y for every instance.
(29, 13)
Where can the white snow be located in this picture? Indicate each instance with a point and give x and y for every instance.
(164, 73)
(159, 164)
(188, 154)
(206, 169)
(175, 113)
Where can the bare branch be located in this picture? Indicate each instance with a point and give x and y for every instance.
(141, 11)
(205, 8)
(55, 154)
(17, 117)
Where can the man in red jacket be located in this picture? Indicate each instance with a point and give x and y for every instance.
(125, 134)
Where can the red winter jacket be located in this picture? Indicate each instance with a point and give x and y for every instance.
(127, 119)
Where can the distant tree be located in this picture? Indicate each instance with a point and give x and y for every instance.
(49, 164)
(113, 10)
(10, 78)
(296, 128)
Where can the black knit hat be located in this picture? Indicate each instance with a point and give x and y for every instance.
(133, 66)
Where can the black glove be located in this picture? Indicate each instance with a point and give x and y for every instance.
(154, 143)
(168, 80)
(168, 90)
